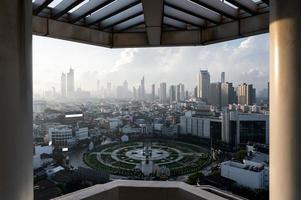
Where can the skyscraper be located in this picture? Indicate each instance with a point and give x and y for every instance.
(162, 94)
(180, 96)
(153, 92)
(245, 94)
(223, 77)
(142, 89)
(70, 82)
(227, 94)
(214, 94)
(63, 85)
(172, 93)
(203, 84)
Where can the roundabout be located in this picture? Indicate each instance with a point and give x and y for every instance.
(148, 158)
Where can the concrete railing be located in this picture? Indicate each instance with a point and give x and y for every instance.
(147, 190)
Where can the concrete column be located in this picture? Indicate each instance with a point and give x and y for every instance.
(285, 100)
(16, 179)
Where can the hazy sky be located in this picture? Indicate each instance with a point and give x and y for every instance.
(244, 60)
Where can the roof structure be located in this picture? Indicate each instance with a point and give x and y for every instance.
(146, 23)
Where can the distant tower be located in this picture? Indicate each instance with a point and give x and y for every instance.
(63, 85)
(203, 84)
(142, 88)
(223, 77)
(153, 92)
(70, 82)
(162, 93)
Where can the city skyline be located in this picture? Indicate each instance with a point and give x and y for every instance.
(95, 63)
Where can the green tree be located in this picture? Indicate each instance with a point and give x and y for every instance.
(240, 155)
(194, 178)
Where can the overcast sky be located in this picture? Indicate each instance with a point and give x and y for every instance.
(244, 60)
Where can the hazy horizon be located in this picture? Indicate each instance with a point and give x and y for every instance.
(243, 60)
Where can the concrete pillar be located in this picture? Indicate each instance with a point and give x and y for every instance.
(285, 99)
(16, 179)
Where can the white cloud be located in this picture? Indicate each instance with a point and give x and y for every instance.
(126, 57)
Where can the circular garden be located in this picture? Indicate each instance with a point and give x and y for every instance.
(125, 158)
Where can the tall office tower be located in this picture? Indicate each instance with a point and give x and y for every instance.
(227, 94)
(203, 84)
(135, 95)
(63, 85)
(253, 96)
(162, 95)
(214, 94)
(245, 94)
(180, 92)
(70, 82)
(223, 80)
(186, 95)
(142, 88)
(153, 92)
(195, 92)
(172, 93)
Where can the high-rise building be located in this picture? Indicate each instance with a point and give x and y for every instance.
(215, 94)
(223, 80)
(162, 93)
(227, 94)
(203, 84)
(180, 96)
(153, 92)
(172, 93)
(142, 89)
(63, 85)
(245, 94)
(135, 95)
(70, 83)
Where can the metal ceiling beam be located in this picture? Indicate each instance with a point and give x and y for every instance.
(87, 9)
(252, 25)
(174, 23)
(110, 10)
(182, 20)
(219, 7)
(129, 24)
(153, 13)
(66, 31)
(246, 5)
(233, 30)
(39, 5)
(106, 26)
(122, 17)
(63, 7)
(195, 10)
(182, 16)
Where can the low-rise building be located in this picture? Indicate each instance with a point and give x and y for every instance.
(248, 174)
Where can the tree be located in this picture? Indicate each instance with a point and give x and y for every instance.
(194, 178)
(240, 155)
